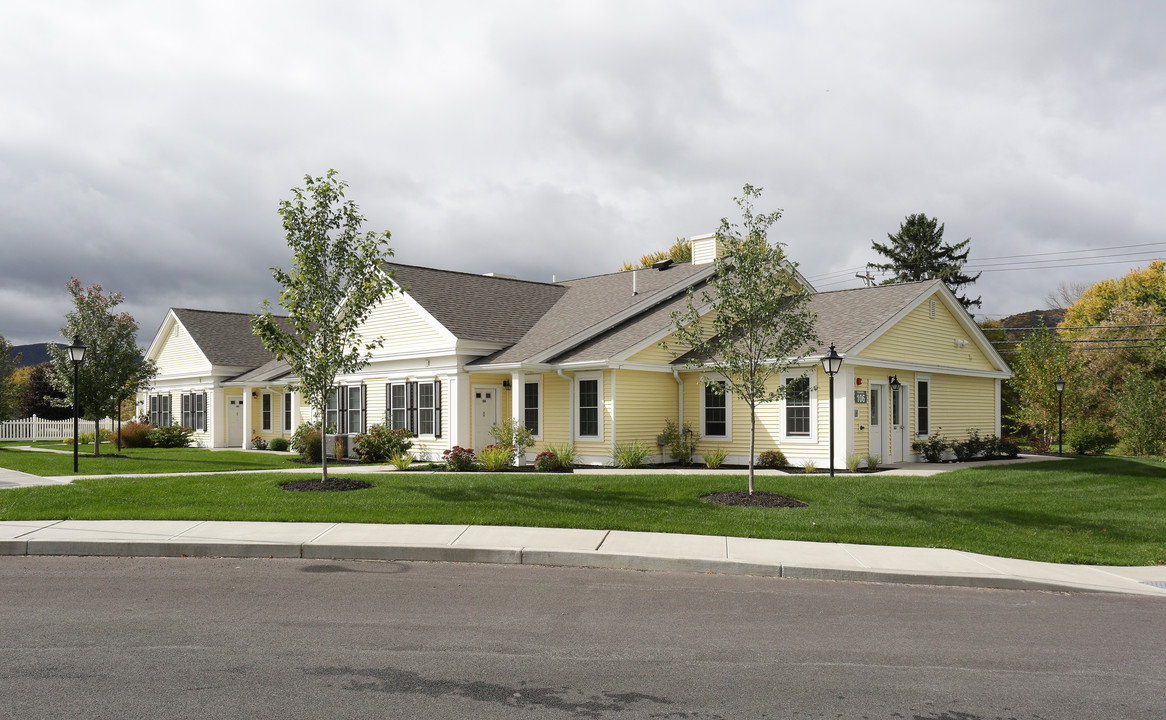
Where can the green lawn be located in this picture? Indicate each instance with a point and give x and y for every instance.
(1089, 510)
(139, 460)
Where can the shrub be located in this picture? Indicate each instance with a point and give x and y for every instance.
(631, 456)
(714, 458)
(85, 438)
(496, 457)
(381, 444)
(306, 441)
(401, 461)
(170, 436)
(1008, 447)
(135, 434)
(810, 467)
(258, 443)
(459, 459)
(853, 460)
(873, 462)
(546, 462)
(772, 459)
(280, 444)
(513, 435)
(931, 449)
(971, 448)
(1090, 435)
(564, 454)
(105, 434)
(680, 440)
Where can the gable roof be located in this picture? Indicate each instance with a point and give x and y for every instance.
(477, 307)
(225, 338)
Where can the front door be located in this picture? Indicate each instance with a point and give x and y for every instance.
(878, 421)
(898, 423)
(235, 422)
(485, 415)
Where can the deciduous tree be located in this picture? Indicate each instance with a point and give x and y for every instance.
(761, 324)
(8, 387)
(335, 281)
(113, 365)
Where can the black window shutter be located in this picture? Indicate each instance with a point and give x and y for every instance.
(411, 407)
(437, 408)
(363, 408)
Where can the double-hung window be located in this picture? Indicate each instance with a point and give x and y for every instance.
(287, 412)
(530, 407)
(922, 405)
(193, 410)
(716, 410)
(589, 405)
(160, 410)
(346, 410)
(266, 413)
(797, 406)
(415, 406)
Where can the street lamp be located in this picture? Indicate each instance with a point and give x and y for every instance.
(1060, 385)
(76, 354)
(832, 363)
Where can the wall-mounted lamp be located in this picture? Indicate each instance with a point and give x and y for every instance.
(506, 384)
(895, 384)
(254, 394)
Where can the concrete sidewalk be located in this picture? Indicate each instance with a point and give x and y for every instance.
(568, 548)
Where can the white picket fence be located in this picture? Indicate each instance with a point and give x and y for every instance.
(35, 429)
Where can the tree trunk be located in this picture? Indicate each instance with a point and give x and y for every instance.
(323, 452)
(97, 434)
(752, 440)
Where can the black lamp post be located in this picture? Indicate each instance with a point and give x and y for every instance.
(76, 354)
(1060, 385)
(832, 363)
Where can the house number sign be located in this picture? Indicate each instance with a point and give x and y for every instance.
(859, 397)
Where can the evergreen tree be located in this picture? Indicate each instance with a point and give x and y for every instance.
(917, 252)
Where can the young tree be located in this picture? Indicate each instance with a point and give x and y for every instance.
(917, 252)
(1038, 362)
(761, 324)
(335, 281)
(8, 386)
(38, 396)
(113, 361)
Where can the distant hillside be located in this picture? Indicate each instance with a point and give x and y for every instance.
(34, 354)
(1030, 319)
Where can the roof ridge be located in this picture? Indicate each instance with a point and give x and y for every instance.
(875, 287)
(220, 312)
(472, 274)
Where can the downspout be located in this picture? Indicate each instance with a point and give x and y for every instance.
(570, 408)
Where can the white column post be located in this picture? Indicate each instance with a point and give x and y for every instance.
(246, 417)
(517, 406)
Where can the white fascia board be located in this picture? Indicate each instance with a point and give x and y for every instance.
(656, 337)
(510, 367)
(643, 367)
(611, 321)
(925, 368)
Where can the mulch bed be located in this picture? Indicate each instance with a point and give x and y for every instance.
(742, 498)
(333, 484)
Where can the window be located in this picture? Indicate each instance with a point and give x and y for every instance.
(287, 412)
(922, 406)
(346, 410)
(415, 406)
(266, 415)
(530, 407)
(715, 410)
(193, 410)
(589, 392)
(160, 410)
(797, 406)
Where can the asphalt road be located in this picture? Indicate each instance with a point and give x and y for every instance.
(206, 638)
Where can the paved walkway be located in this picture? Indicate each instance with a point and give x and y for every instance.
(562, 547)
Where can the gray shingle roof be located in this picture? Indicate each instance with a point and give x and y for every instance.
(224, 337)
(478, 307)
(589, 302)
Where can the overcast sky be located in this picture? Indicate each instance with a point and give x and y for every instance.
(145, 146)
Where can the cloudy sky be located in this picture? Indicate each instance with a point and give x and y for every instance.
(145, 146)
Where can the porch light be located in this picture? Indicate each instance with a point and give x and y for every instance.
(895, 384)
(832, 363)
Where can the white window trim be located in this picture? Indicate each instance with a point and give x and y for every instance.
(810, 375)
(923, 377)
(437, 400)
(534, 380)
(267, 424)
(432, 408)
(579, 378)
(728, 436)
(286, 412)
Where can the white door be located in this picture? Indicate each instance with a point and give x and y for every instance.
(898, 423)
(485, 415)
(878, 421)
(235, 422)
